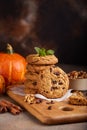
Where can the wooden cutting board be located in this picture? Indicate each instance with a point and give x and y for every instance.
(57, 113)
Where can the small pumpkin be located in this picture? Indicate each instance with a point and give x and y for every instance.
(2, 85)
(12, 66)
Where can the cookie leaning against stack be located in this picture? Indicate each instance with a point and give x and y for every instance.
(44, 77)
(54, 82)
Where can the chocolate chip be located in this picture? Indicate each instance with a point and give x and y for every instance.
(50, 69)
(53, 88)
(50, 102)
(41, 76)
(39, 101)
(60, 83)
(45, 91)
(57, 73)
(63, 88)
(37, 72)
(54, 81)
(34, 83)
(49, 107)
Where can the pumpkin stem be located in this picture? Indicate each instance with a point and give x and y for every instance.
(9, 49)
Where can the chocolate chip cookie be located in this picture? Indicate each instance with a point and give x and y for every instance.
(54, 82)
(41, 60)
(37, 68)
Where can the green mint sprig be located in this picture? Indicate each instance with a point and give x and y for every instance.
(43, 51)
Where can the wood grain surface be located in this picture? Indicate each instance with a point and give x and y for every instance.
(60, 112)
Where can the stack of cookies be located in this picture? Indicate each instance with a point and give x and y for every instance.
(44, 77)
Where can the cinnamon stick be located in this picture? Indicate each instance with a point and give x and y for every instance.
(3, 109)
(13, 110)
(10, 107)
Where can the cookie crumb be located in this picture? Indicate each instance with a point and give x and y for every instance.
(78, 98)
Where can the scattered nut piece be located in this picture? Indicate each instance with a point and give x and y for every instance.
(31, 99)
(77, 74)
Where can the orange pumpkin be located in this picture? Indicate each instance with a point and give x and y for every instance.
(12, 66)
(2, 84)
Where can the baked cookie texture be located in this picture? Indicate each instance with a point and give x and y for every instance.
(54, 82)
(78, 98)
(41, 60)
(45, 77)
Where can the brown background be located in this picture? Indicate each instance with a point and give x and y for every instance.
(52, 24)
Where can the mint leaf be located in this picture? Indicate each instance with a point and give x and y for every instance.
(50, 52)
(43, 51)
(37, 49)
